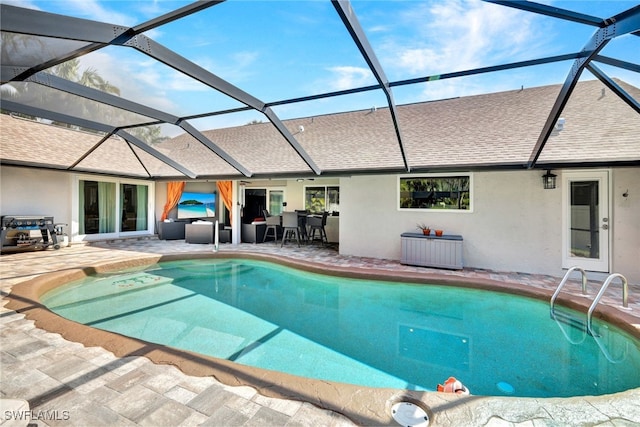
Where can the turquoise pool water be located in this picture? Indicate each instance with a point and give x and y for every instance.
(378, 334)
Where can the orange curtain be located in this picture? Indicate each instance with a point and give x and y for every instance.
(174, 191)
(225, 189)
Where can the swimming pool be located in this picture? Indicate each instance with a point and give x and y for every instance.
(371, 333)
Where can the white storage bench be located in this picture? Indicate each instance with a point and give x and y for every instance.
(432, 251)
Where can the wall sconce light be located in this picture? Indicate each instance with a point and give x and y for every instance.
(549, 180)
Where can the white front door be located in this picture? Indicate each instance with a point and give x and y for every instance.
(586, 222)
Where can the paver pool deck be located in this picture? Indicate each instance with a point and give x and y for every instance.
(68, 384)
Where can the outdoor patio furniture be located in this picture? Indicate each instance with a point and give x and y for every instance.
(302, 224)
(254, 232)
(224, 234)
(199, 232)
(290, 226)
(171, 230)
(273, 223)
(317, 223)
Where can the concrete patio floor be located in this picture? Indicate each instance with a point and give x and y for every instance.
(66, 383)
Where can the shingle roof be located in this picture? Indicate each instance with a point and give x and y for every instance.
(490, 130)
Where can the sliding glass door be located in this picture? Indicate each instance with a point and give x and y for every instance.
(97, 207)
(134, 200)
(112, 207)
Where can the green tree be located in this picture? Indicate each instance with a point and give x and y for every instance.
(149, 134)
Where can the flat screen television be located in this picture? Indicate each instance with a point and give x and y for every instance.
(197, 205)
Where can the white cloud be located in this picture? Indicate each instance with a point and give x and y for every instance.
(348, 77)
(139, 81)
(91, 9)
(22, 3)
(457, 35)
(236, 67)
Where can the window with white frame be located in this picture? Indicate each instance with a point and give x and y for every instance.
(320, 198)
(435, 192)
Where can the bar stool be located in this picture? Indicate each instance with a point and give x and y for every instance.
(273, 222)
(290, 226)
(302, 224)
(318, 223)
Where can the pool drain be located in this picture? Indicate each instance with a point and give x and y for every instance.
(409, 414)
(505, 387)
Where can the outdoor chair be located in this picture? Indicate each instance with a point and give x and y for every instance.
(317, 223)
(290, 226)
(273, 223)
(302, 224)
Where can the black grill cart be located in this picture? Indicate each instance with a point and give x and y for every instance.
(17, 236)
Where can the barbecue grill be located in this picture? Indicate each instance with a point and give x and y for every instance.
(17, 236)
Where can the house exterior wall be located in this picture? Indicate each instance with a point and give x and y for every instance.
(25, 191)
(515, 224)
(29, 191)
(625, 240)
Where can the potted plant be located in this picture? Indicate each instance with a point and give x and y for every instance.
(439, 232)
(425, 229)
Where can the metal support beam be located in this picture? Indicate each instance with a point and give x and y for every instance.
(624, 23)
(211, 146)
(91, 150)
(57, 60)
(350, 20)
(175, 14)
(155, 153)
(37, 23)
(614, 87)
(43, 24)
(490, 69)
(160, 53)
(101, 97)
(88, 124)
(291, 140)
(618, 63)
(118, 102)
(482, 70)
(553, 11)
(55, 116)
(175, 61)
(147, 46)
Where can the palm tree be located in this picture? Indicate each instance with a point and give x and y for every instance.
(67, 70)
(91, 78)
(18, 48)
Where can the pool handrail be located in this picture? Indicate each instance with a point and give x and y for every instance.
(596, 300)
(564, 281)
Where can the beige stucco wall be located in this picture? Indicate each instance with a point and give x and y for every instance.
(625, 223)
(35, 192)
(515, 225)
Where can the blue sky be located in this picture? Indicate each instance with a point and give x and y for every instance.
(278, 50)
